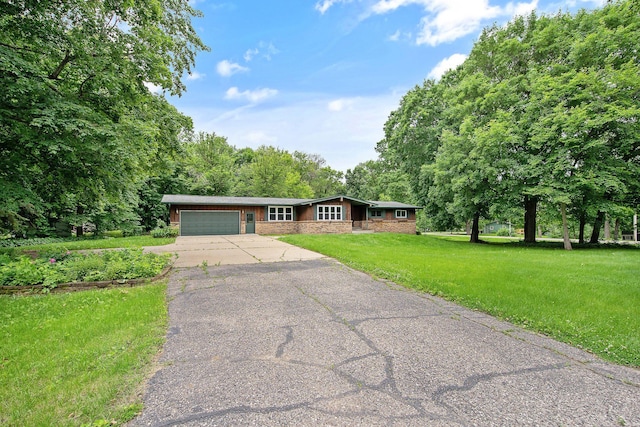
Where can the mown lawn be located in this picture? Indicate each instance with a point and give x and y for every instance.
(78, 358)
(589, 298)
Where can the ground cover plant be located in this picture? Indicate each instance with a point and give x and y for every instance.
(78, 358)
(53, 268)
(587, 298)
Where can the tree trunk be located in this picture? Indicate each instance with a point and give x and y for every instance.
(80, 227)
(616, 229)
(539, 230)
(597, 225)
(530, 207)
(583, 222)
(468, 227)
(475, 229)
(607, 229)
(565, 227)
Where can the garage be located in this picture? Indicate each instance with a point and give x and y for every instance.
(207, 223)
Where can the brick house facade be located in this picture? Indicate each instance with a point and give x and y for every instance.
(206, 215)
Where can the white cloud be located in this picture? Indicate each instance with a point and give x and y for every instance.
(395, 36)
(264, 49)
(447, 20)
(194, 75)
(254, 96)
(227, 68)
(260, 138)
(249, 54)
(446, 64)
(340, 104)
(153, 88)
(324, 5)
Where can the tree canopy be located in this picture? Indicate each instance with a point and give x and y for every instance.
(78, 124)
(544, 109)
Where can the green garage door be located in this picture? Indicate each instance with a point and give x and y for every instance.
(206, 223)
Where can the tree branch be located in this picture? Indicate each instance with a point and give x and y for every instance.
(67, 58)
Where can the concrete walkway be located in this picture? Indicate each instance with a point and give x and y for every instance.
(193, 251)
(314, 343)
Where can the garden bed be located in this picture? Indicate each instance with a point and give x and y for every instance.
(82, 286)
(67, 271)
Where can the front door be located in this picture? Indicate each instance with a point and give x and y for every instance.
(251, 223)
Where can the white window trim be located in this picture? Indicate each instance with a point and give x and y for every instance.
(402, 213)
(376, 211)
(334, 212)
(287, 213)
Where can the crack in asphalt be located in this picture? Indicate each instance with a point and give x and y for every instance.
(288, 339)
(363, 376)
(473, 380)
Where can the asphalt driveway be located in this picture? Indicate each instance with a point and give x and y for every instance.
(193, 251)
(313, 342)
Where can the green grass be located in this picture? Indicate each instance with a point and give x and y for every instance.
(587, 298)
(106, 243)
(78, 358)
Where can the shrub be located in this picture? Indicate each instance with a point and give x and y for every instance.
(503, 232)
(165, 232)
(107, 265)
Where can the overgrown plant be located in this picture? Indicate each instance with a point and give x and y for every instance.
(55, 268)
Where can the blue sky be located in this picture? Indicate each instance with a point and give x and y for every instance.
(323, 76)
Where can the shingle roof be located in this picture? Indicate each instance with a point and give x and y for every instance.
(392, 205)
(184, 199)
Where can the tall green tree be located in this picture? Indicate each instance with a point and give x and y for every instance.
(209, 165)
(78, 125)
(272, 173)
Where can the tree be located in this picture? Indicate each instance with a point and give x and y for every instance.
(272, 174)
(324, 180)
(78, 124)
(209, 165)
(544, 110)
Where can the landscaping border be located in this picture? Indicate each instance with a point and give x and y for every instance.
(83, 286)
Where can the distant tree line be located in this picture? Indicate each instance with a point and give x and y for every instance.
(207, 165)
(544, 114)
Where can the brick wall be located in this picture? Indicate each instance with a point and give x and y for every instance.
(388, 226)
(303, 227)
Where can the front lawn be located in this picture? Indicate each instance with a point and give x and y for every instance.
(78, 358)
(589, 298)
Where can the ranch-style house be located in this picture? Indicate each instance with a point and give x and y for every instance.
(219, 215)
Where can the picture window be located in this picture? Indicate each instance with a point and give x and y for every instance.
(280, 213)
(330, 213)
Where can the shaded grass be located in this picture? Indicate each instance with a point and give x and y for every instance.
(587, 298)
(77, 358)
(102, 243)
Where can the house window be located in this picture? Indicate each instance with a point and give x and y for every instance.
(376, 213)
(401, 213)
(330, 213)
(280, 213)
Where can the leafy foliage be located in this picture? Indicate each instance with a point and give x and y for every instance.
(544, 110)
(56, 268)
(78, 125)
